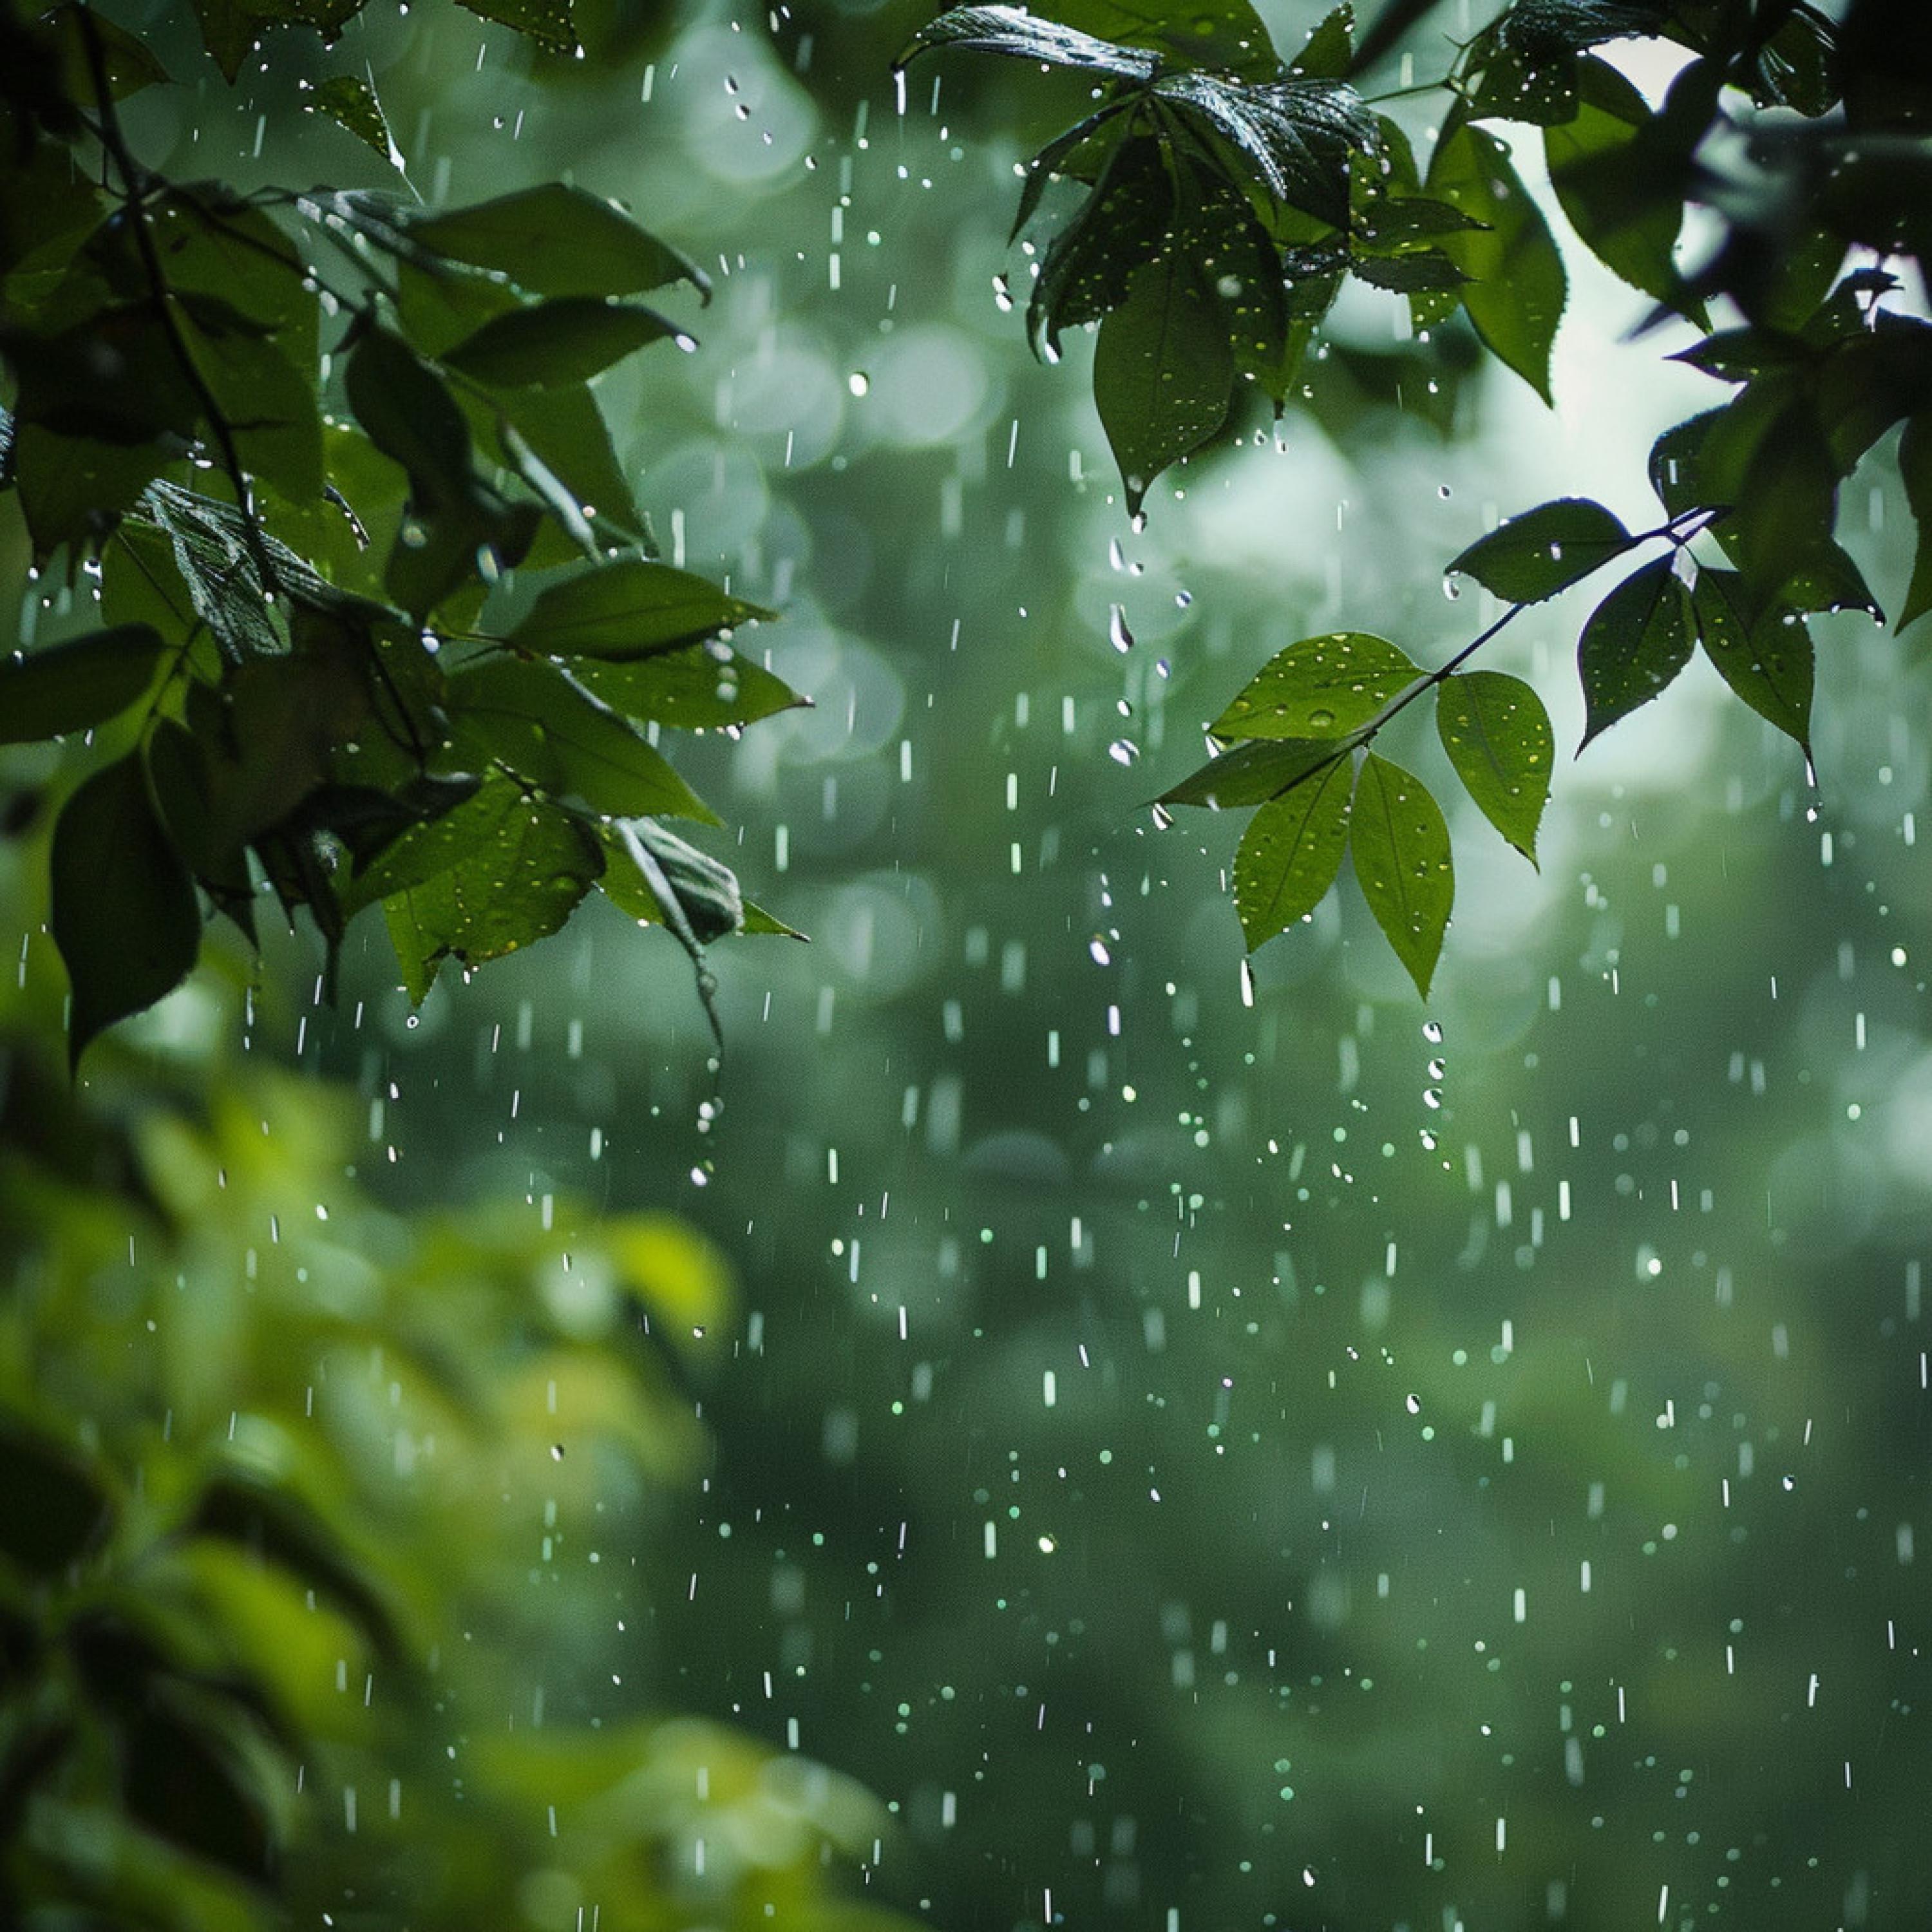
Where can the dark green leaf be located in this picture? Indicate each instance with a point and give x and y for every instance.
(697, 687)
(1517, 287)
(1797, 66)
(547, 22)
(1322, 687)
(1254, 772)
(231, 29)
(656, 877)
(564, 430)
(542, 724)
(629, 609)
(1291, 853)
(1226, 35)
(1497, 737)
(1163, 372)
(1400, 845)
(1915, 470)
(1622, 186)
(350, 102)
(69, 686)
(123, 914)
(1545, 550)
(57, 1511)
(1737, 354)
(183, 1779)
(269, 404)
(1637, 640)
(1328, 51)
(1409, 274)
(1126, 222)
(555, 240)
(554, 344)
(1014, 31)
(1766, 660)
(1522, 66)
(72, 488)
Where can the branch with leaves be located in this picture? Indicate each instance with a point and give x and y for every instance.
(1222, 197)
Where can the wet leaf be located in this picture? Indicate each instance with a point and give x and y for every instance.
(548, 23)
(554, 343)
(1252, 773)
(1291, 853)
(697, 687)
(1767, 660)
(57, 1511)
(123, 914)
(1545, 550)
(656, 876)
(350, 102)
(1497, 737)
(1400, 846)
(1637, 640)
(1012, 31)
(1322, 687)
(629, 609)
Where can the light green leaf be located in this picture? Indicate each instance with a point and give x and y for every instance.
(704, 891)
(68, 687)
(1637, 640)
(124, 916)
(629, 609)
(1324, 687)
(537, 720)
(1497, 737)
(1291, 853)
(1517, 285)
(698, 687)
(1767, 662)
(1163, 371)
(1400, 845)
(1545, 550)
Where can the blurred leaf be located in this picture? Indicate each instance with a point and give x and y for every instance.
(1517, 285)
(1400, 846)
(57, 1512)
(1766, 660)
(554, 344)
(628, 609)
(697, 687)
(542, 724)
(232, 29)
(350, 102)
(1497, 737)
(1545, 550)
(1322, 687)
(68, 687)
(1637, 640)
(1291, 853)
(182, 1777)
(1163, 372)
(1797, 66)
(1624, 192)
(556, 240)
(123, 914)
(1252, 773)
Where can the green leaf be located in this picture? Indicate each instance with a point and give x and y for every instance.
(72, 488)
(1322, 687)
(1637, 640)
(629, 609)
(497, 873)
(1012, 31)
(1254, 772)
(556, 240)
(1915, 470)
(1329, 50)
(1622, 188)
(565, 430)
(1766, 660)
(1226, 35)
(1126, 222)
(698, 687)
(759, 921)
(1409, 274)
(542, 724)
(554, 344)
(123, 912)
(183, 1778)
(548, 23)
(1799, 66)
(1497, 737)
(656, 877)
(1163, 372)
(1400, 845)
(1291, 853)
(1517, 287)
(269, 403)
(68, 687)
(350, 102)
(231, 29)
(1545, 550)
(57, 1511)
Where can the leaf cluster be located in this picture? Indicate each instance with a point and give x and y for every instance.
(302, 682)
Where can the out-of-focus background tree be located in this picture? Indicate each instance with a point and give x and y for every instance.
(1204, 1449)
